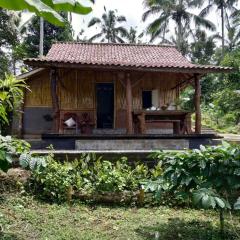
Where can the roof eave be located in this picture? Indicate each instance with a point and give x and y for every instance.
(30, 73)
(54, 64)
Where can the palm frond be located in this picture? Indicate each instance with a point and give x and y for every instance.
(96, 36)
(151, 11)
(121, 19)
(195, 3)
(119, 39)
(157, 24)
(206, 10)
(156, 35)
(200, 21)
(122, 31)
(94, 21)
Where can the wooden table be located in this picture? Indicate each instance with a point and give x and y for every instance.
(177, 117)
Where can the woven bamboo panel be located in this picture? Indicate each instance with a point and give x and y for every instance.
(85, 90)
(40, 94)
(76, 88)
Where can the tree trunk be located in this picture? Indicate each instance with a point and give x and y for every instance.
(164, 31)
(178, 37)
(14, 67)
(223, 26)
(41, 37)
(221, 219)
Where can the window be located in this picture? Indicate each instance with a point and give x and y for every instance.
(150, 98)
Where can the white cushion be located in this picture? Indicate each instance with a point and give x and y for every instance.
(70, 122)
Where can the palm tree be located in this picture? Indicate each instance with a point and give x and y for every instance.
(133, 36)
(176, 11)
(203, 47)
(110, 29)
(233, 37)
(223, 6)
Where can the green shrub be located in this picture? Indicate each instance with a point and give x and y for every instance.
(9, 148)
(54, 180)
(88, 174)
(209, 176)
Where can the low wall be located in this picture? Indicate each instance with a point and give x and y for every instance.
(131, 144)
(37, 120)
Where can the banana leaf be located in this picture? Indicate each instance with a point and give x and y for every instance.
(48, 9)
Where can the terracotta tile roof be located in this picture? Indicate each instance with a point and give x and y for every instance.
(123, 55)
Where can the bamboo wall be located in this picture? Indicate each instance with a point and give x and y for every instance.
(76, 90)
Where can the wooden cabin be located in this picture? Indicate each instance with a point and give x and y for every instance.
(117, 90)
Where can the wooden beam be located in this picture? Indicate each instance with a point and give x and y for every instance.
(129, 120)
(197, 102)
(55, 100)
(183, 82)
(50, 64)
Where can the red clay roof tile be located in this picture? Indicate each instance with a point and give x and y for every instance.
(125, 55)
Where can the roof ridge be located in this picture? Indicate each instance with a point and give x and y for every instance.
(115, 44)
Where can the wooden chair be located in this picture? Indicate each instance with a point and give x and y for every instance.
(86, 124)
(67, 116)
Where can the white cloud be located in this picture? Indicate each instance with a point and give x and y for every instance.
(131, 9)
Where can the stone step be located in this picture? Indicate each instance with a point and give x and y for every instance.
(130, 144)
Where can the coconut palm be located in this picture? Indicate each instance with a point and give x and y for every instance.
(176, 11)
(223, 6)
(203, 47)
(233, 37)
(133, 36)
(110, 30)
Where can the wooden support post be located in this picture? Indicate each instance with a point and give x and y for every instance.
(129, 120)
(55, 100)
(197, 102)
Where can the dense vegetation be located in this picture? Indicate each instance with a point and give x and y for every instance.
(207, 178)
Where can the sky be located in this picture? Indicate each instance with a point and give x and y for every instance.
(131, 9)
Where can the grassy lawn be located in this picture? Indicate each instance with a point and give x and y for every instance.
(25, 218)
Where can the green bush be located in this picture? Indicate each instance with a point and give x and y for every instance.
(209, 177)
(88, 174)
(9, 149)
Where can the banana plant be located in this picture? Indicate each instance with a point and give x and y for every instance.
(48, 9)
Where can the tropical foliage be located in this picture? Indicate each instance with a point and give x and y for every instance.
(31, 35)
(48, 9)
(10, 149)
(179, 13)
(9, 36)
(11, 97)
(223, 6)
(209, 177)
(110, 27)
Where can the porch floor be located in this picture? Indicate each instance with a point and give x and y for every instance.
(122, 143)
(129, 136)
